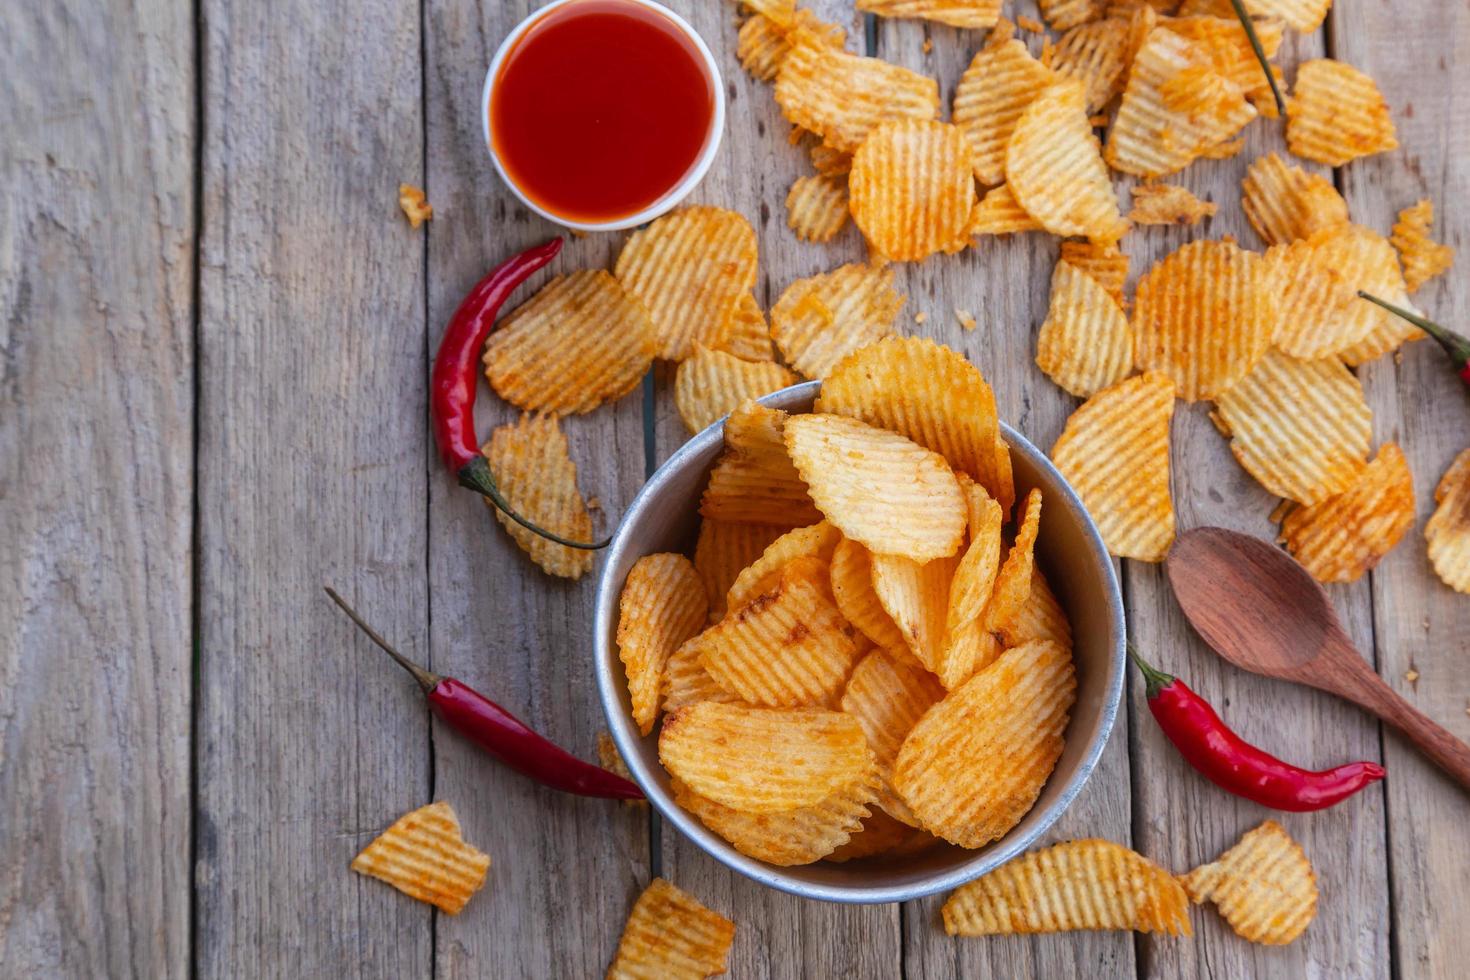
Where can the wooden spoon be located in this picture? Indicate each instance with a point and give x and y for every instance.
(1263, 612)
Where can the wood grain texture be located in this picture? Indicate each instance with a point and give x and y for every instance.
(96, 402)
(312, 466)
(566, 870)
(1419, 53)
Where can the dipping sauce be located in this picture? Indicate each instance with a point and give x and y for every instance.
(600, 109)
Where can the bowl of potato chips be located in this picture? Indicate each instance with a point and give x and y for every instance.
(859, 640)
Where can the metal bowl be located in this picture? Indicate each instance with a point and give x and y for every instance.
(664, 517)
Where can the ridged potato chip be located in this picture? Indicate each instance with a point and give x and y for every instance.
(1284, 202)
(610, 759)
(1230, 50)
(1448, 530)
(537, 477)
(816, 207)
(1264, 886)
(1389, 333)
(821, 319)
(1013, 582)
(883, 835)
(888, 696)
(662, 605)
(1347, 535)
(788, 647)
(424, 855)
(852, 587)
(1423, 257)
(723, 551)
(1081, 884)
(1316, 280)
(830, 162)
(911, 188)
(1085, 343)
(815, 541)
(748, 337)
(670, 935)
(764, 760)
(973, 14)
(841, 97)
(1105, 263)
(1114, 452)
(1056, 170)
(755, 482)
(790, 837)
(579, 342)
(879, 489)
(932, 395)
(975, 763)
(1001, 81)
(1042, 618)
(1168, 204)
(1300, 15)
(1204, 317)
(689, 269)
(916, 598)
(1175, 107)
(1301, 428)
(711, 384)
(999, 213)
(1097, 55)
(968, 648)
(974, 577)
(761, 46)
(685, 680)
(782, 13)
(1336, 114)
(1062, 14)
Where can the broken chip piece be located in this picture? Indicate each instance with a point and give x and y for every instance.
(424, 855)
(671, 936)
(1264, 886)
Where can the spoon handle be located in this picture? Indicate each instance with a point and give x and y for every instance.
(1442, 748)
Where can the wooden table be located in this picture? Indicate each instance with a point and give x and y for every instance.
(216, 332)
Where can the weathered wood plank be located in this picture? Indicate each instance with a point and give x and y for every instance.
(1419, 53)
(96, 379)
(1004, 283)
(566, 870)
(1181, 819)
(312, 458)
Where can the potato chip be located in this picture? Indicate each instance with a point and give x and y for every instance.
(816, 541)
(1056, 171)
(689, 269)
(1114, 452)
(916, 598)
(747, 336)
(424, 855)
(1423, 257)
(1080, 884)
(788, 647)
(1301, 428)
(685, 681)
(1105, 263)
(880, 489)
(415, 205)
(1013, 581)
(1042, 618)
(974, 577)
(930, 394)
(1175, 107)
(1389, 332)
(764, 760)
(579, 342)
(829, 162)
(1316, 281)
(538, 479)
(885, 835)
(973, 14)
(662, 605)
(1336, 114)
(1300, 15)
(1204, 317)
(712, 384)
(1346, 535)
(761, 45)
(1284, 202)
(999, 213)
(852, 587)
(1001, 81)
(911, 186)
(1230, 49)
(670, 935)
(791, 837)
(888, 696)
(821, 319)
(1448, 530)
(1096, 54)
(1085, 343)
(610, 759)
(722, 553)
(816, 207)
(780, 12)
(1062, 14)
(755, 482)
(975, 763)
(1168, 204)
(841, 97)
(1264, 886)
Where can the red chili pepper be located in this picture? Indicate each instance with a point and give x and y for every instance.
(1454, 345)
(1235, 765)
(501, 733)
(454, 382)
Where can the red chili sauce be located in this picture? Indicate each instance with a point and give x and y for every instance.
(600, 109)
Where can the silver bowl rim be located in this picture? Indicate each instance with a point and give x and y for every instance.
(986, 859)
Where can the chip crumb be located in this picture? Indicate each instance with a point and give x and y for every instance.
(966, 318)
(576, 233)
(928, 45)
(1411, 675)
(1030, 24)
(920, 317)
(594, 503)
(415, 205)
